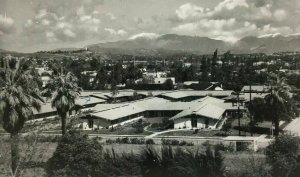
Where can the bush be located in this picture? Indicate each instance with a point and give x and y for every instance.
(174, 142)
(183, 143)
(284, 157)
(124, 141)
(75, 155)
(150, 141)
(190, 144)
(110, 141)
(137, 141)
(165, 141)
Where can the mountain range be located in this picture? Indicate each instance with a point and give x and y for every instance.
(201, 45)
(172, 43)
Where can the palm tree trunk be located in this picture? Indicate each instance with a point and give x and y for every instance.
(14, 145)
(64, 123)
(276, 122)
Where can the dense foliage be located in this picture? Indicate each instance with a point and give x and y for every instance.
(78, 156)
(284, 156)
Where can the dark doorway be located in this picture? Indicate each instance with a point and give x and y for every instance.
(194, 122)
(206, 123)
(91, 123)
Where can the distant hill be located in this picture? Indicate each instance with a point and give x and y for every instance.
(172, 43)
(169, 43)
(67, 49)
(268, 44)
(7, 51)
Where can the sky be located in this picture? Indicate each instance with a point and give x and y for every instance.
(34, 25)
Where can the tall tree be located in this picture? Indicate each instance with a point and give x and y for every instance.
(214, 66)
(66, 91)
(276, 106)
(204, 69)
(278, 103)
(18, 98)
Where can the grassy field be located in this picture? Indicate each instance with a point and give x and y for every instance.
(41, 152)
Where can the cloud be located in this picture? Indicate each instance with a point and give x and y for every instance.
(189, 10)
(69, 33)
(41, 14)
(6, 25)
(231, 20)
(111, 16)
(45, 22)
(280, 14)
(145, 36)
(231, 4)
(120, 32)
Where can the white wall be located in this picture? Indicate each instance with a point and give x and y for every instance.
(182, 122)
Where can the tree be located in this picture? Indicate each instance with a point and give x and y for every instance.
(278, 103)
(214, 66)
(75, 156)
(276, 106)
(284, 157)
(66, 91)
(18, 98)
(139, 126)
(168, 84)
(204, 70)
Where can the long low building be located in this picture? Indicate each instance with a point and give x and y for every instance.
(207, 112)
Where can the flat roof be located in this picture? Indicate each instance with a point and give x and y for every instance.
(88, 100)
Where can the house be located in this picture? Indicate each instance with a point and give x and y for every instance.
(255, 88)
(161, 80)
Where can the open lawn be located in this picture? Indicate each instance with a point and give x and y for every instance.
(233, 162)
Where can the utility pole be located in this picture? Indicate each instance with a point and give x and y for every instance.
(238, 104)
(250, 106)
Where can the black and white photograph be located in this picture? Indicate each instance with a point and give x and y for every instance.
(149, 88)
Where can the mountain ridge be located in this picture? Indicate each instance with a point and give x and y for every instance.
(200, 45)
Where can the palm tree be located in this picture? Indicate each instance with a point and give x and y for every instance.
(19, 96)
(278, 103)
(66, 91)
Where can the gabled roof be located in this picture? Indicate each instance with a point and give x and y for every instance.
(210, 111)
(209, 99)
(205, 110)
(122, 110)
(293, 126)
(202, 93)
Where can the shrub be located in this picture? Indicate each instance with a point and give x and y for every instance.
(174, 142)
(124, 140)
(183, 143)
(75, 155)
(110, 141)
(137, 141)
(150, 141)
(190, 144)
(284, 157)
(165, 141)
